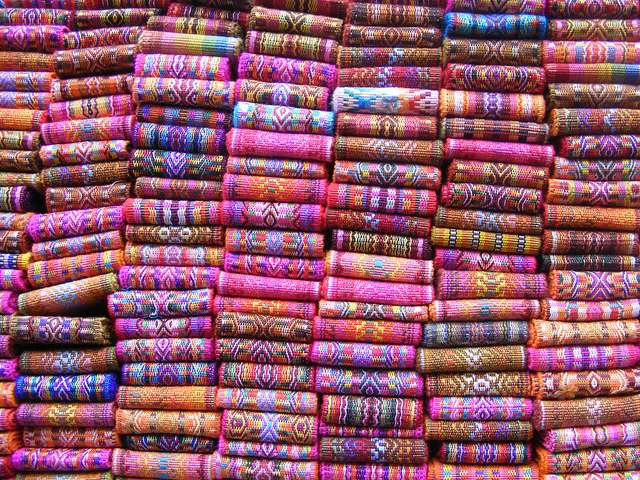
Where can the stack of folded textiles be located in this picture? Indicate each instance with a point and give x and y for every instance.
(379, 268)
(487, 232)
(26, 70)
(275, 188)
(584, 342)
(66, 389)
(184, 90)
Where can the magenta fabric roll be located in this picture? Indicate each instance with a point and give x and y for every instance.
(521, 153)
(238, 285)
(578, 358)
(256, 143)
(368, 291)
(272, 266)
(73, 223)
(92, 129)
(167, 278)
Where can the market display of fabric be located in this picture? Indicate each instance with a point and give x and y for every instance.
(185, 93)
(326, 240)
(583, 343)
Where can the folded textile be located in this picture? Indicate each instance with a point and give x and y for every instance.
(264, 287)
(261, 351)
(606, 147)
(580, 311)
(381, 244)
(391, 37)
(165, 350)
(359, 310)
(37, 38)
(453, 259)
(569, 285)
(55, 459)
(385, 101)
(476, 359)
(585, 96)
(82, 153)
(191, 117)
(70, 437)
(161, 163)
(271, 20)
(81, 245)
(68, 269)
(68, 362)
(289, 94)
(287, 70)
(387, 174)
(522, 107)
(576, 9)
(61, 330)
(403, 201)
(499, 384)
(611, 29)
(500, 130)
(478, 431)
(424, 152)
(267, 376)
(488, 221)
(390, 76)
(274, 189)
(525, 154)
(569, 385)
(505, 243)
(459, 285)
(270, 427)
(199, 235)
(393, 15)
(405, 383)
(287, 145)
(545, 334)
(171, 212)
(280, 118)
(339, 288)
(170, 443)
(482, 196)
(399, 451)
(186, 44)
(163, 303)
(589, 217)
(169, 374)
(497, 25)
(594, 242)
(485, 453)
(66, 414)
(193, 67)
(592, 73)
(578, 358)
(60, 199)
(610, 459)
(474, 334)
(177, 422)
(480, 408)
(282, 401)
(549, 414)
(73, 223)
(488, 309)
(268, 327)
(77, 388)
(278, 267)
(173, 327)
(282, 308)
(569, 439)
(358, 57)
(449, 470)
(376, 223)
(373, 331)
(297, 46)
(372, 411)
(87, 87)
(185, 92)
(505, 79)
(340, 471)
(178, 138)
(276, 167)
(385, 125)
(274, 242)
(146, 464)
(362, 355)
(195, 26)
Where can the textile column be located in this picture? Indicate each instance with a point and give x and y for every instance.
(68, 379)
(584, 342)
(487, 232)
(29, 37)
(275, 189)
(379, 267)
(165, 320)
